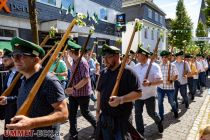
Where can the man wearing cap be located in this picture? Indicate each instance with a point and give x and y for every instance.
(92, 70)
(9, 102)
(181, 83)
(190, 79)
(49, 106)
(113, 112)
(149, 88)
(59, 69)
(167, 87)
(80, 90)
(202, 74)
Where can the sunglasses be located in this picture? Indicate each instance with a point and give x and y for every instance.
(20, 55)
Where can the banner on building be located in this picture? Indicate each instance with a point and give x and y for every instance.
(201, 39)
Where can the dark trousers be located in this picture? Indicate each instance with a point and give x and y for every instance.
(183, 91)
(93, 86)
(202, 80)
(74, 103)
(190, 84)
(150, 106)
(195, 85)
(161, 95)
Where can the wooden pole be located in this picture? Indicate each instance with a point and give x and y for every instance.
(47, 37)
(116, 86)
(23, 110)
(169, 65)
(56, 66)
(152, 59)
(8, 91)
(77, 63)
(184, 65)
(48, 53)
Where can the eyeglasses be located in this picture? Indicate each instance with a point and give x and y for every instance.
(108, 56)
(20, 55)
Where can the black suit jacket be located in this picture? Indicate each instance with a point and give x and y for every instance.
(11, 106)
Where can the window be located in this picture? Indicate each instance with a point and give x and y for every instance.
(103, 14)
(156, 16)
(161, 19)
(7, 33)
(145, 33)
(152, 34)
(51, 2)
(67, 3)
(149, 13)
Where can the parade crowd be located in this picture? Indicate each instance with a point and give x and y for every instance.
(58, 100)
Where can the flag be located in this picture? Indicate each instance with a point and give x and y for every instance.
(72, 12)
(68, 10)
(95, 18)
(88, 16)
(61, 9)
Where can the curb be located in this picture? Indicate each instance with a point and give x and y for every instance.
(201, 119)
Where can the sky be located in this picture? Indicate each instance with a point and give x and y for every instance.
(192, 8)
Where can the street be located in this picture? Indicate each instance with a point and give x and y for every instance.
(175, 129)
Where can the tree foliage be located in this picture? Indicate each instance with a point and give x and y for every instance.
(207, 12)
(201, 32)
(181, 27)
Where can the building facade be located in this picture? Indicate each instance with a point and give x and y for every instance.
(15, 22)
(153, 19)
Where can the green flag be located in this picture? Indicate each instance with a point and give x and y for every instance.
(95, 18)
(61, 7)
(72, 12)
(88, 16)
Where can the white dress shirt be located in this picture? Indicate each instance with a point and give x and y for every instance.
(180, 68)
(11, 76)
(154, 74)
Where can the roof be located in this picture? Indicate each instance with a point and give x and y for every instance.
(202, 17)
(153, 5)
(114, 4)
(128, 3)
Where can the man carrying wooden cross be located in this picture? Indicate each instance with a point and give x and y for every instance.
(113, 112)
(48, 107)
(149, 87)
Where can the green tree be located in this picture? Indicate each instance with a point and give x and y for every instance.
(33, 20)
(201, 32)
(181, 27)
(207, 12)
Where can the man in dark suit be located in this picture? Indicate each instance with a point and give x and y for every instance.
(9, 102)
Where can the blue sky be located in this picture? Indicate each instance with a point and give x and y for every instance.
(192, 8)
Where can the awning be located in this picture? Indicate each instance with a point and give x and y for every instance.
(5, 44)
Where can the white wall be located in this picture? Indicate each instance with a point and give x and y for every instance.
(9, 21)
(83, 6)
(139, 37)
(126, 36)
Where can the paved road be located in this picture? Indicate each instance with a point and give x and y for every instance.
(175, 129)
